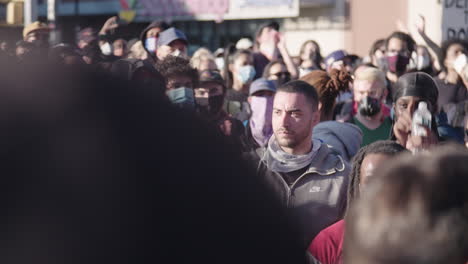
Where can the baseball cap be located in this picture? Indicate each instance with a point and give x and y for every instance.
(337, 55)
(262, 84)
(35, 26)
(169, 35)
(244, 43)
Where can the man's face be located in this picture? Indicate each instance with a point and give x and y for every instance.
(409, 104)
(397, 46)
(208, 89)
(293, 119)
(368, 168)
(176, 45)
(119, 47)
(268, 35)
(179, 81)
(363, 88)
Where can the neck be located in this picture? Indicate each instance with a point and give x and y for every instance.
(302, 149)
(371, 122)
(452, 76)
(238, 86)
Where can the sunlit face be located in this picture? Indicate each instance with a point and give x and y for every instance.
(241, 60)
(293, 119)
(179, 81)
(397, 46)
(409, 104)
(364, 88)
(277, 71)
(309, 50)
(452, 53)
(207, 64)
(165, 50)
(119, 47)
(369, 165)
(208, 89)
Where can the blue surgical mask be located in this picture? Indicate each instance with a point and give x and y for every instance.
(246, 74)
(182, 97)
(150, 44)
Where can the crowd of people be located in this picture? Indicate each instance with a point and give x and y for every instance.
(133, 151)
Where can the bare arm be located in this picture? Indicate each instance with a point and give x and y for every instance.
(287, 58)
(421, 27)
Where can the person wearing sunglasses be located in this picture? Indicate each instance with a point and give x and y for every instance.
(278, 72)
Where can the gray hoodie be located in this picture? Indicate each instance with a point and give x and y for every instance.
(345, 138)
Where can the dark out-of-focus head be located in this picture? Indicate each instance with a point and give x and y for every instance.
(99, 170)
(415, 211)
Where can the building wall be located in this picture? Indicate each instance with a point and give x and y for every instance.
(325, 24)
(374, 19)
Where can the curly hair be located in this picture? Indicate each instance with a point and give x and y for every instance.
(173, 66)
(328, 87)
(385, 147)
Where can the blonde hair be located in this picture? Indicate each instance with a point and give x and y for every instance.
(370, 74)
(201, 55)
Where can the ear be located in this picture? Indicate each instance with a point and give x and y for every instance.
(249, 99)
(320, 106)
(315, 118)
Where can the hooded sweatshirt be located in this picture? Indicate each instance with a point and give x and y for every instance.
(345, 138)
(154, 24)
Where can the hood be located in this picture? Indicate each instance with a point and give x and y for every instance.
(345, 138)
(153, 24)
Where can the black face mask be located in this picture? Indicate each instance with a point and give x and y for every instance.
(369, 106)
(210, 106)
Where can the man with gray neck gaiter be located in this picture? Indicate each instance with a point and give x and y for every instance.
(308, 177)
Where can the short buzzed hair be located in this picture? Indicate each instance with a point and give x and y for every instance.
(301, 87)
(371, 74)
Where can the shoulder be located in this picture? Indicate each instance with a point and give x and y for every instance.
(326, 246)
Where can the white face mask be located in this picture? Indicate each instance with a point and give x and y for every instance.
(220, 63)
(106, 49)
(178, 53)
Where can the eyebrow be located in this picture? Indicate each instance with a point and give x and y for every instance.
(290, 110)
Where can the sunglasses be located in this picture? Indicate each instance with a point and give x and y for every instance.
(282, 74)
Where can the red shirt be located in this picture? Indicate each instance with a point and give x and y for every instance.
(327, 246)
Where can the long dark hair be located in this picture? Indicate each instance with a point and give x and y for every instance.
(318, 58)
(385, 147)
(231, 54)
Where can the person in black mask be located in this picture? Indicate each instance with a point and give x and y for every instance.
(209, 97)
(371, 114)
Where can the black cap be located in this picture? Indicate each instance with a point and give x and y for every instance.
(418, 84)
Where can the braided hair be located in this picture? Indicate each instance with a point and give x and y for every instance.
(385, 147)
(328, 87)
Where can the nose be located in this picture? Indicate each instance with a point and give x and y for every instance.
(284, 120)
